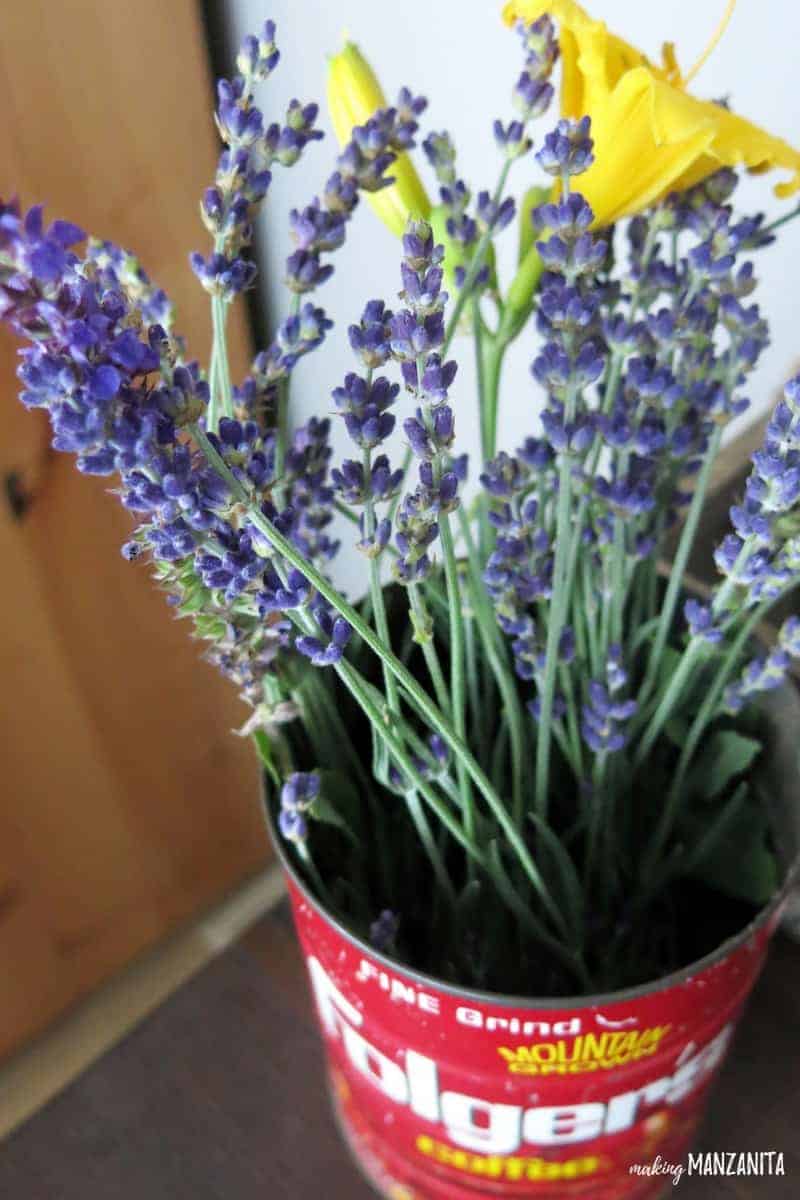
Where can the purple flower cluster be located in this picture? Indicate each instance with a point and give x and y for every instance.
(604, 715)
(309, 510)
(677, 379)
(519, 569)
(532, 96)
(326, 647)
(766, 672)
(383, 931)
(319, 229)
(461, 226)
(437, 757)
(696, 374)
(416, 334)
(244, 170)
(91, 352)
(120, 397)
(573, 355)
(761, 556)
(297, 798)
(533, 91)
(297, 335)
(700, 620)
(568, 150)
(364, 403)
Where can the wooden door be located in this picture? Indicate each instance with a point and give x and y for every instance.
(126, 802)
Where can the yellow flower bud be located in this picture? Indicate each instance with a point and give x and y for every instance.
(531, 200)
(518, 302)
(354, 94)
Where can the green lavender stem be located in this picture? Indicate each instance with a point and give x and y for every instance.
(282, 415)
(683, 670)
(707, 711)
(557, 616)
(465, 293)
(416, 812)
(492, 354)
(396, 747)
(424, 635)
(407, 681)
(490, 637)
(679, 567)
(458, 693)
(220, 401)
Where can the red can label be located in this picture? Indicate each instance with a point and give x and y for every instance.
(446, 1097)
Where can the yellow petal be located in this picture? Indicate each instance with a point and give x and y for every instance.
(646, 137)
(738, 142)
(651, 137)
(354, 95)
(593, 59)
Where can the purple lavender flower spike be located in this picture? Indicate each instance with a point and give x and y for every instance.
(568, 150)
(328, 649)
(762, 674)
(416, 333)
(297, 797)
(603, 719)
(370, 338)
(701, 622)
(244, 170)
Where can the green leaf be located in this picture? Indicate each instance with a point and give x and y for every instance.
(732, 853)
(195, 601)
(495, 868)
(211, 628)
(569, 891)
(468, 906)
(677, 727)
(645, 633)
(677, 730)
(668, 665)
(726, 755)
(337, 804)
(264, 751)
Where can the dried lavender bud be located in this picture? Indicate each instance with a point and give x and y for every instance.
(297, 796)
(603, 718)
(327, 649)
(568, 150)
(383, 931)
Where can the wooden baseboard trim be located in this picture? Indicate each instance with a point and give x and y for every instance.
(37, 1073)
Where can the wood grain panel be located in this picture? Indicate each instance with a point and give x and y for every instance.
(126, 802)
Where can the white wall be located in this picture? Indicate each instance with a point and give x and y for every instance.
(458, 54)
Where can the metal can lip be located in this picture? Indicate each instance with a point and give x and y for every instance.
(539, 1002)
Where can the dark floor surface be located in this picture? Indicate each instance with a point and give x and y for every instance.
(219, 1096)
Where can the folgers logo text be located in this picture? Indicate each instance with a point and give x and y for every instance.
(486, 1125)
(588, 1052)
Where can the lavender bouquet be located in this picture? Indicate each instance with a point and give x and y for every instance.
(518, 752)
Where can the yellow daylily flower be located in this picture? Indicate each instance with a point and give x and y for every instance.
(651, 137)
(354, 95)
